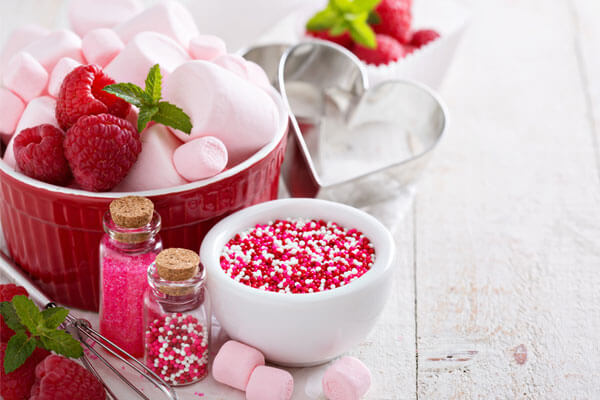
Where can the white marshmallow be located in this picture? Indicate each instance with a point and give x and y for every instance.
(39, 111)
(200, 158)
(168, 17)
(87, 15)
(12, 108)
(62, 68)
(18, 39)
(100, 46)
(154, 167)
(222, 104)
(207, 47)
(25, 76)
(143, 52)
(54, 46)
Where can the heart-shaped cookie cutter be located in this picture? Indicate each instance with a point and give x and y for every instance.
(352, 143)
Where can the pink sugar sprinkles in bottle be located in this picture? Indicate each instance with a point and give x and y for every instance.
(177, 318)
(129, 246)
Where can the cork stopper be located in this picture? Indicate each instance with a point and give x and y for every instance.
(177, 264)
(131, 211)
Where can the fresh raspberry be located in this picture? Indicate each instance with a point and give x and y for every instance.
(81, 94)
(396, 18)
(422, 37)
(343, 40)
(58, 378)
(7, 292)
(17, 384)
(388, 50)
(40, 155)
(101, 149)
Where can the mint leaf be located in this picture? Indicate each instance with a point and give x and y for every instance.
(28, 313)
(342, 5)
(173, 116)
(323, 20)
(362, 33)
(373, 18)
(153, 84)
(365, 5)
(54, 316)
(129, 92)
(339, 28)
(18, 349)
(62, 343)
(11, 319)
(145, 116)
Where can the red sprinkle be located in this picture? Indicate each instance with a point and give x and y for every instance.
(297, 256)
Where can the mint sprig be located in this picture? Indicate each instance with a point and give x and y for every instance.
(148, 100)
(353, 16)
(34, 328)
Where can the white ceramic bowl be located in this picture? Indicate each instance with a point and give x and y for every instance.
(299, 329)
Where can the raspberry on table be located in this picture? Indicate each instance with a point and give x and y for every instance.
(388, 50)
(101, 149)
(396, 18)
(81, 94)
(343, 40)
(58, 377)
(17, 384)
(40, 155)
(7, 292)
(423, 36)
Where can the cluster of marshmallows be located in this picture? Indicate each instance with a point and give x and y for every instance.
(232, 112)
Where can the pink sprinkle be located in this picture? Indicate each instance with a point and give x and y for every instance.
(520, 354)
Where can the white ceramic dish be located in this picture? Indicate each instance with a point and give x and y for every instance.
(299, 329)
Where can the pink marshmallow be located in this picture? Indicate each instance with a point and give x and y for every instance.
(200, 158)
(87, 15)
(241, 115)
(246, 69)
(346, 379)
(234, 364)
(143, 52)
(257, 75)
(54, 46)
(167, 17)
(154, 167)
(20, 38)
(39, 111)
(62, 68)
(12, 108)
(207, 47)
(268, 383)
(100, 46)
(25, 76)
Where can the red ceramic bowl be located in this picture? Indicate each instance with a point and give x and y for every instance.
(53, 232)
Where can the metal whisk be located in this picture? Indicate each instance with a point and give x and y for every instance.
(81, 330)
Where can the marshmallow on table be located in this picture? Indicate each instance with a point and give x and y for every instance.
(200, 158)
(168, 17)
(235, 362)
(25, 76)
(268, 383)
(100, 46)
(62, 68)
(154, 167)
(11, 107)
(39, 111)
(54, 46)
(346, 379)
(141, 54)
(243, 116)
(207, 47)
(87, 15)
(18, 39)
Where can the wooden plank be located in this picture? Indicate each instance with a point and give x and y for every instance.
(508, 222)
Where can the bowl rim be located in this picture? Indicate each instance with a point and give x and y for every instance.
(256, 157)
(385, 248)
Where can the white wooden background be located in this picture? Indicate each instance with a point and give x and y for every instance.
(498, 290)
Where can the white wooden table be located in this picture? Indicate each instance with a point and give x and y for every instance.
(497, 294)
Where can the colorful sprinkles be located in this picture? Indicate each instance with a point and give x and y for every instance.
(177, 348)
(298, 256)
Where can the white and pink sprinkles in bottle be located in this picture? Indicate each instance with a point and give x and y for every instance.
(298, 256)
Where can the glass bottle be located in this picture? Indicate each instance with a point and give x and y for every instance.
(129, 246)
(177, 318)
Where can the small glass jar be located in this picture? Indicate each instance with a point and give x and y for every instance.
(129, 246)
(177, 318)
